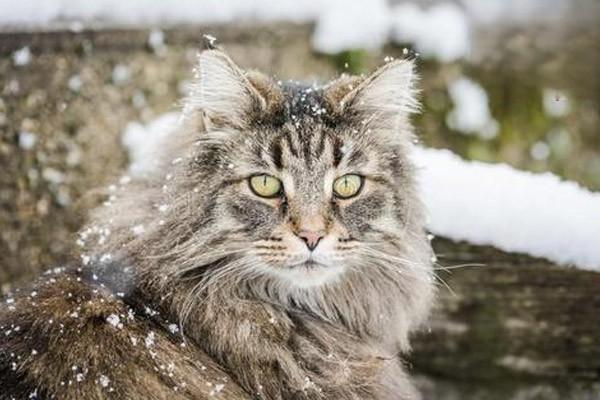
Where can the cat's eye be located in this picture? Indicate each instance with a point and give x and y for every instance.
(265, 186)
(347, 186)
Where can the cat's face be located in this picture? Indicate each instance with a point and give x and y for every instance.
(308, 183)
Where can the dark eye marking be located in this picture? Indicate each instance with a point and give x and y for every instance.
(321, 145)
(288, 138)
(275, 149)
(337, 151)
(356, 157)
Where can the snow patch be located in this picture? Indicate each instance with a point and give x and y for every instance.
(471, 114)
(441, 32)
(27, 140)
(514, 11)
(343, 26)
(104, 381)
(540, 151)
(22, 57)
(516, 211)
(143, 141)
(114, 320)
(74, 84)
(556, 103)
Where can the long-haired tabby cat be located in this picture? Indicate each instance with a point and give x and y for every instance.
(278, 253)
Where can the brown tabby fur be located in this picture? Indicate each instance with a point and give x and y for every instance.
(188, 287)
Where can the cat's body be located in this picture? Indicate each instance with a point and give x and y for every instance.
(199, 285)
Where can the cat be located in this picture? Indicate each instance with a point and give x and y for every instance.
(278, 253)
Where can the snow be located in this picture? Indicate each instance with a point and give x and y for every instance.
(540, 151)
(513, 11)
(114, 320)
(142, 141)
(516, 211)
(441, 32)
(217, 389)
(173, 328)
(486, 204)
(74, 84)
(104, 381)
(22, 56)
(149, 339)
(471, 114)
(53, 175)
(27, 140)
(156, 40)
(344, 26)
(138, 230)
(135, 12)
(120, 74)
(556, 103)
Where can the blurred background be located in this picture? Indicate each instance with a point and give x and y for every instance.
(502, 81)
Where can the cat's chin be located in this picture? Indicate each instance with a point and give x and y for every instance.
(308, 274)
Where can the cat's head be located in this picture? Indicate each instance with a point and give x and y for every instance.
(301, 193)
(311, 182)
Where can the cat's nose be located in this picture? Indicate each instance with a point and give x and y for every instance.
(311, 238)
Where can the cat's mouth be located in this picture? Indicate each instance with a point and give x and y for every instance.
(308, 273)
(308, 264)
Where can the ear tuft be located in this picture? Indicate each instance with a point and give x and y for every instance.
(222, 92)
(389, 92)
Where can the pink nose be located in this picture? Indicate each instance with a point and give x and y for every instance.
(311, 238)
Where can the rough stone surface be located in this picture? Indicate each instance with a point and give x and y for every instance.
(520, 326)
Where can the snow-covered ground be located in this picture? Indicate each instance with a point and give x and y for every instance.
(487, 204)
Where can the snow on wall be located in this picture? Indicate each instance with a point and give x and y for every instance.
(343, 26)
(486, 204)
(441, 32)
(143, 141)
(516, 211)
(514, 11)
(471, 113)
(340, 24)
(439, 29)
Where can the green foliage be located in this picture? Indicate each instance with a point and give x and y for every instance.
(351, 61)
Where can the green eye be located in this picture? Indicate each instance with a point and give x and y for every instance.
(265, 185)
(347, 186)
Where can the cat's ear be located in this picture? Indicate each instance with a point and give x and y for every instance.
(385, 96)
(223, 93)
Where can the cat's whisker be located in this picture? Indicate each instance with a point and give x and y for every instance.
(411, 264)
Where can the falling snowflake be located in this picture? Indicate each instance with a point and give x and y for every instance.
(104, 381)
